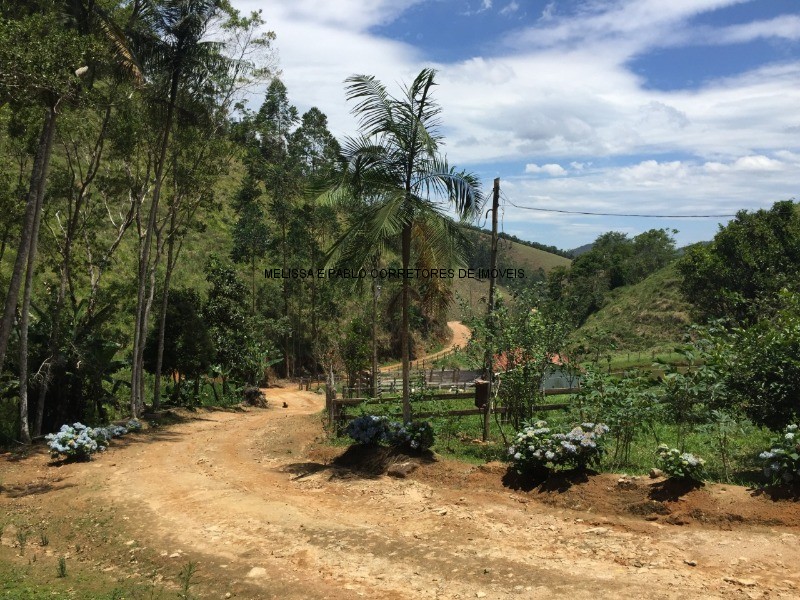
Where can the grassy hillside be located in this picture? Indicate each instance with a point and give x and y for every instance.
(645, 316)
(518, 256)
(511, 255)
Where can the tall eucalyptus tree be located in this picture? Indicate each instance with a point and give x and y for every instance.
(171, 40)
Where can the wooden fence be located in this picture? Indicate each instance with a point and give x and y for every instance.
(338, 414)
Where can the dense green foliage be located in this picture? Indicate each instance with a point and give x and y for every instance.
(761, 367)
(752, 258)
(125, 141)
(613, 261)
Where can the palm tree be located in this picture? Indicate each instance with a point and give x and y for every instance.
(395, 163)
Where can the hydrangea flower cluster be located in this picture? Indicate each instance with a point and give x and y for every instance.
(368, 429)
(680, 465)
(415, 435)
(782, 460)
(77, 441)
(373, 430)
(111, 431)
(536, 446)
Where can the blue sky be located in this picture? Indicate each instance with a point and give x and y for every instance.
(618, 106)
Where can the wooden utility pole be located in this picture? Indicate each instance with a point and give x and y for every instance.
(490, 312)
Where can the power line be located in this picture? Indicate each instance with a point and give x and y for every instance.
(601, 214)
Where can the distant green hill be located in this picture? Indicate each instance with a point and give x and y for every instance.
(648, 315)
(576, 252)
(507, 236)
(534, 261)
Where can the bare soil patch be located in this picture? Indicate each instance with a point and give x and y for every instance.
(268, 510)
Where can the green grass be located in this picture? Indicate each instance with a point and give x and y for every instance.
(39, 581)
(456, 438)
(618, 361)
(650, 315)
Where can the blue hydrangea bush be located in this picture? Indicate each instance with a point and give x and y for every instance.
(680, 465)
(417, 435)
(782, 460)
(369, 430)
(372, 430)
(77, 441)
(537, 447)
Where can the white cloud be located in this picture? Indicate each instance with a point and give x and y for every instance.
(551, 169)
(784, 26)
(358, 15)
(655, 187)
(751, 164)
(560, 97)
(509, 8)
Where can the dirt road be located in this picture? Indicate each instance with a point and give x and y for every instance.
(461, 335)
(266, 519)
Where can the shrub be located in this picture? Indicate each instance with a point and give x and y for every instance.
(415, 435)
(374, 429)
(80, 442)
(76, 441)
(368, 429)
(680, 465)
(112, 431)
(627, 405)
(537, 447)
(782, 460)
(61, 571)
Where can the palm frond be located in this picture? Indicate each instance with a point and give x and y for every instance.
(443, 238)
(121, 44)
(374, 107)
(370, 232)
(435, 177)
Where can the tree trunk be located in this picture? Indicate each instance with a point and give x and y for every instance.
(404, 333)
(140, 332)
(6, 235)
(285, 280)
(374, 391)
(24, 430)
(38, 182)
(162, 317)
(146, 317)
(253, 276)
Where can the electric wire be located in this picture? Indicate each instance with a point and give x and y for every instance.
(604, 214)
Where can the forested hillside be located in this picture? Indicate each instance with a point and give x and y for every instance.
(177, 242)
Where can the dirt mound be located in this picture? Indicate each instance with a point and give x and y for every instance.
(663, 500)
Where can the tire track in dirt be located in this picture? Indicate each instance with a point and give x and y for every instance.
(240, 490)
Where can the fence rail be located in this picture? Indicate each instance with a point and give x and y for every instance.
(338, 415)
